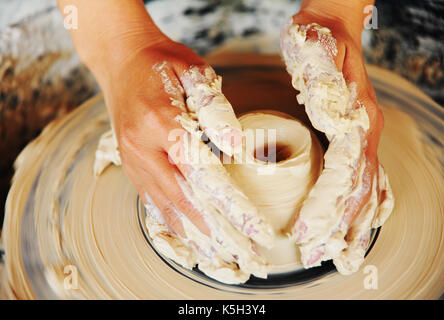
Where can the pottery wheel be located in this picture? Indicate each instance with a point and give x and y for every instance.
(93, 228)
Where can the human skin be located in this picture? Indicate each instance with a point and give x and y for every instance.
(122, 46)
(346, 21)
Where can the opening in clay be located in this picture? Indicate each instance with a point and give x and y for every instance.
(273, 153)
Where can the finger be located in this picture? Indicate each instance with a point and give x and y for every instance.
(360, 194)
(337, 50)
(211, 182)
(171, 85)
(386, 199)
(354, 69)
(209, 191)
(225, 249)
(323, 210)
(230, 246)
(355, 73)
(171, 245)
(163, 211)
(358, 236)
(107, 153)
(329, 102)
(206, 103)
(156, 172)
(166, 176)
(154, 198)
(316, 247)
(187, 250)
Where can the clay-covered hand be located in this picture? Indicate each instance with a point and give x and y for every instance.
(161, 98)
(161, 101)
(352, 194)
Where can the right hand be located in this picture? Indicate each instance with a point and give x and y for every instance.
(352, 195)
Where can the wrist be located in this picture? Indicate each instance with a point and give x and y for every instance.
(334, 14)
(110, 32)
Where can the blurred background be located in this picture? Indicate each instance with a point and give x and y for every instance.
(42, 78)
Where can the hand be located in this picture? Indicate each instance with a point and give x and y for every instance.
(352, 194)
(151, 98)
(155, 88)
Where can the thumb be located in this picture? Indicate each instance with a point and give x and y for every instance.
(206, 102)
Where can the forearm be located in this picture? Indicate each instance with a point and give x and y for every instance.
(111, 31)
(350, 12)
